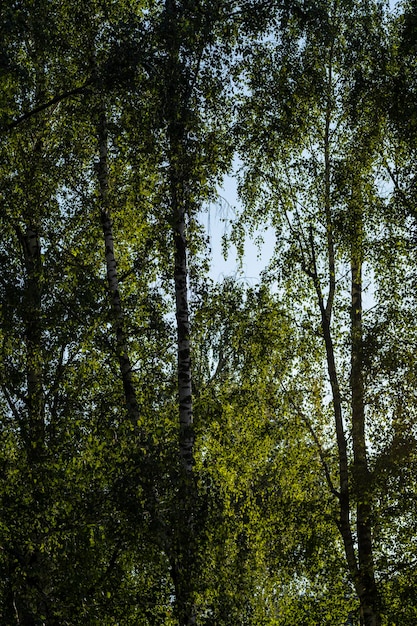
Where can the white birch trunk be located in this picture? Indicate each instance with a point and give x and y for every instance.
(183, 554)
(184, 558)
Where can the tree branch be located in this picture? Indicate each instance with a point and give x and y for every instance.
(316, 440)
(46, 105)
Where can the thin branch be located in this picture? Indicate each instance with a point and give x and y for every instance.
(396, 568)
(327, 184)
(397, 188)
(46, 105)
(315, 276)
(11, 404)
(108, 570)
(316, 440)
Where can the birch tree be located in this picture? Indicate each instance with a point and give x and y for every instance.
(319, 162)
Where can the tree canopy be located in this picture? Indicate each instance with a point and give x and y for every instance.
(182, 452)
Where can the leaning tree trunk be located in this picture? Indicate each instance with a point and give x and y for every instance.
(359, 559)
(343, 493)
(326, 311)
(125, 365)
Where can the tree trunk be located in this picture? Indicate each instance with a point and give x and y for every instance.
(326, 311)
(28, 596)
(122, 352)
(183, 551)
(366, 588)
(184, 558)
(360, 561)
(35, 425)
(186, 437)
(184, 566)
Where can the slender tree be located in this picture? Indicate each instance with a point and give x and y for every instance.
(321, 135)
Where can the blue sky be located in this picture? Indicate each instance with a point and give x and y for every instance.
(218, 222)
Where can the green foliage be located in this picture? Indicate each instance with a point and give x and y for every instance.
(319, 100)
